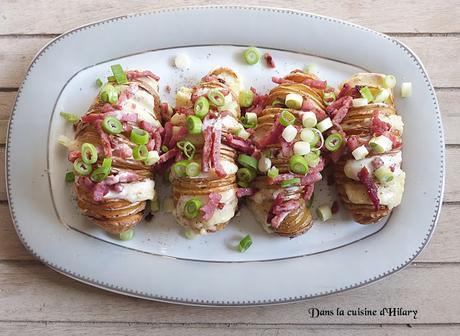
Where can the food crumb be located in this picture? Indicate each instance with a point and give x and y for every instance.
(269, 60)
(182, 61)
(168, 89)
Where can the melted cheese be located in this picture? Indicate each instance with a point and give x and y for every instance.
(134, 192)
(353, 167)
(142, 103)
(395, 121)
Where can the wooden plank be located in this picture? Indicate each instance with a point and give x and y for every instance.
(32, 292)
(6, 103)
(19, 17)
(443, 246)
(17, 53)
(126, 329)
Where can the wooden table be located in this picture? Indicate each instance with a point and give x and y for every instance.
(38, 301)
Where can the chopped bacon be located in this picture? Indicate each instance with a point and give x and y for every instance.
(107, 108)
(271, 137)
(308, 192)
(123, 150)
(91, 118)
(207, 148)
(118, 187)
(311, 178)
(344, 91)
(329, 89)
(215, 155)
(393, 167)
(146, 126)
(208, 78)
(286, 147)
(335, 156)
(164, 111)
(127, 117)
(335, 207)
(240, 144)
(73, 155)
(393, 138)
(127, 177)
(339, 108)
(269, 60)
(177, 136)
(157, 137)
(168, 155)
(134, 74)
(307, 105)
(318, 168)
(366, 179)
(99, 191)
(354, 142)
(259, 102)
(285, 207)
(278, 219)
(378, 126)
(184, 110)
(315, 83)
(151, 144)
(377, 162)
(168, 132)
(210, 207)
(106, 145)
(241, 192)
(279, 80)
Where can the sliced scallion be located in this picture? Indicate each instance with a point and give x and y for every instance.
(291, 182)
(298, 164)
(193, 169)
(216, 97)
(119, 74)
(69, 117)
(140, 153)
(188, 148)
(70, 177)
(139, 136)
(324, 212)
(293, 101)
(82, 168)
(384, 174)
(180, 168)
(246, 174)
(273, 172)
(245, 243)
(88, 153)
(127, 235)
(192, 208)
(247, 161)
(328, 98)
(251, 55)
(333, 142)
(246, 98)
(366, 93)
(287, 118)
(194, 125)
(112, 125)
(201, 107)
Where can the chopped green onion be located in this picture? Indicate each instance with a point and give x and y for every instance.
(69, 177)
(111, 78)
(245, 243)
(155, 205)
(109, 94)
(311, 68)
(187, 148)
(65, 141)
(290, 182)
(119, 74)
(201, 107)
(246, 174)
(287, 118)
(278, 103)
(384, 174)
(193, 169)
(247, 161)
(382, 96)
(192, 208)
(289, 133)
(333, 142)
(243, 134)
(101, 173)
(88, 153)
(249, 120)
(246, 98)
(301, 148)
(251, 55)
(360, 152)
(310, 136)
(324, 212)
(298, 164)
(189, 234)
(243, 184)
(406, 89)
(293, 101)
(112, 125)
(139, 136)
(380, 144)
(82, 168)
(312, 158)
(358, 102)
(309, 119)
(69, 117)
(216, 97)
(127, 235)
(328, 98)
(99, 82)
(152, 158)
(180, 168)
(389, 81)
(140, 153)
(366, 93)
(324, 125)
(194, 125)
(273, 172)
(164, 148)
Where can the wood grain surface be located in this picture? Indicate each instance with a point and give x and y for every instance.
(35, 300)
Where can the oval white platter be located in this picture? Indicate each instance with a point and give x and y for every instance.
(160, 263)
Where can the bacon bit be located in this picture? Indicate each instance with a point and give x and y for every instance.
(128, 177)
(117, 187)
(335, 207)
(311, 178)
(207, 148)
(239, 144)
(73, 155)
(225, 92)
(259, 102)
(107, 108)
(269, 60)
(279, 80)
(208, 78)
(366, 179)
(215, 155)
(168, 132)
(354, 142)
(99, 191)
(393, 167)
(146, 126)
(335, 156)
(329, 89)
(271, 137)
(241, 192)
(123, 150)
(134, 74)
(308, 192)
(157, 137)
(394, 139)
(210, 207)
(106, 145)
(286, 148)
(285, 207)
(344, 91)
(167, 156)
(278, 219)
(307, 105)
(339, 109)
(92, 118)
(377, 162)
(151, 144)
(378, 126)
(164, 111)
(177, 136)
(168, 89)
(315, 83)
(184, 110)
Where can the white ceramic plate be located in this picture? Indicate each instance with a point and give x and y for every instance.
(159, 263)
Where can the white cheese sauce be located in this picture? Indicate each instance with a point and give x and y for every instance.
(134, 191)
